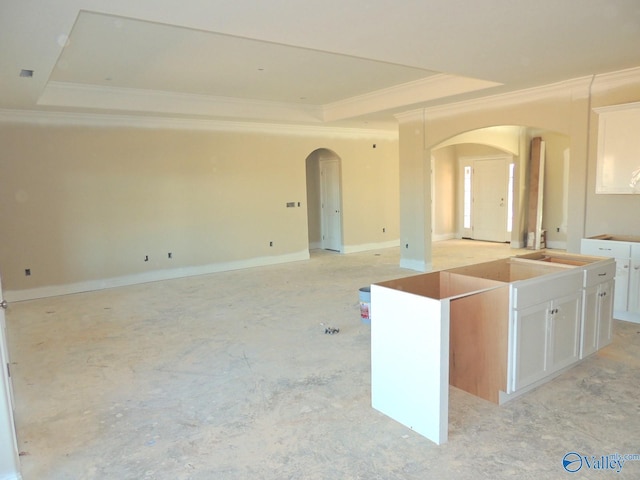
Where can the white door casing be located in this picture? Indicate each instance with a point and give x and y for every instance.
(331, 204)
(9, 462)
(490, 199)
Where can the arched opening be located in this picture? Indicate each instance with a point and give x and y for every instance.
(324, 200)
(481, 182)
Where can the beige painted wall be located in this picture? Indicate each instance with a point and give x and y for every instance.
(445, 188)
(415, 198)
(564, 109)
(82, 204)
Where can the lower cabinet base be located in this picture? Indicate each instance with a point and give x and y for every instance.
(626, 316)
(506, 397)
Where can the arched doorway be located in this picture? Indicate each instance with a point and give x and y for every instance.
(459, 162)
(324, 200)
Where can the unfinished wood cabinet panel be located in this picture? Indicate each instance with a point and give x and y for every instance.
(479, 326)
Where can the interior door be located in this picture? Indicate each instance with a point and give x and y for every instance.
(490, 199)
(8, 445)
(331, 204)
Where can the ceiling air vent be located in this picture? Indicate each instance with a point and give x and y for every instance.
(26, 73)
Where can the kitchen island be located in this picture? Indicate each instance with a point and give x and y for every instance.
(495, 329)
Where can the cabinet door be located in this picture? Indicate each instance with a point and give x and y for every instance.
(564, 330)
(622, 284)
(634, 286)
(590, 304)
(531, 341)
(605, 313)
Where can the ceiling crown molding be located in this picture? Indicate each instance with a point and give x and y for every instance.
(410, 93)
(617, 108)
(170, 123)
(72, 95)
(607, 81)
(576, 88)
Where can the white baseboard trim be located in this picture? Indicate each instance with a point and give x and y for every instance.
(505, 397)
(557, 245)
(626, 316)
(443, 236)
(154, 276)
(365, 247)
(417, 265)
(11, 476)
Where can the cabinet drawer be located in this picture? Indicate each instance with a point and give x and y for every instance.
(596, 274)
(539, 290)
(605, 248)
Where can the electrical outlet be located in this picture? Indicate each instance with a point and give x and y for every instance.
(27, 272)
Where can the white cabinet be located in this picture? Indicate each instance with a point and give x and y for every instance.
(597, 307)
(565, 318)
(634, 281)
(626, 252)
(605, 314)
(496, 330)
(546, 337)
(531, 345)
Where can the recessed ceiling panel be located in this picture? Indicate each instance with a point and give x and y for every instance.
(106, 50)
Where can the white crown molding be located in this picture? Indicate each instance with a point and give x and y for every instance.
(73, 95)
(410, 93)
(416, 115)
(617, 108)
(171, 123)
(611, 80)
(575, 88)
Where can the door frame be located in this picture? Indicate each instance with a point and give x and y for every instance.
(9, 458)
(470, 160)
(324, 214)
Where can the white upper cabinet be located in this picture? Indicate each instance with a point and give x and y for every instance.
(618, 167)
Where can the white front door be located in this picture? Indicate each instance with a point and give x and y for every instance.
(490, 199)
(8, 446)
(331, 204)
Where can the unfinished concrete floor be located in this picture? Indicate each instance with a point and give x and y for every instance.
(231, 376)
